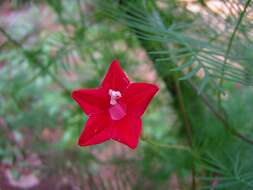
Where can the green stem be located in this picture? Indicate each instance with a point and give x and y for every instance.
(167, 146)
(187, 126)
(186, 121)
(183, 111)
(229, 47)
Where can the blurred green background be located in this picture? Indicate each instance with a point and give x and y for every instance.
(48, 48)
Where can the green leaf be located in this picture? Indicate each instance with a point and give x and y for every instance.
(181, 67)
(203, 83)
(191, 73)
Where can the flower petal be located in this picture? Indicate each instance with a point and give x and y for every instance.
(127, 131)
(138, 96)
(115, 79)
(97, 130)
(91, 101)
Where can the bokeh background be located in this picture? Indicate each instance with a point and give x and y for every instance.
(48, 48)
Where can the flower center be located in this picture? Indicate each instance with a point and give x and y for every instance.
(114, 96)
(116, 110)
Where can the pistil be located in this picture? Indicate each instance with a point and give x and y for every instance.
(117, 110)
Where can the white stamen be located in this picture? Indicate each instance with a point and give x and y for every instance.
(114, 96)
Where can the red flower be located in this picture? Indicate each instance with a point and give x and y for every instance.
(114, 109)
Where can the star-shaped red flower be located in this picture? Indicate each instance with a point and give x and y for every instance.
(114, 109)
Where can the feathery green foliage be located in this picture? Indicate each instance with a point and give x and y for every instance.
(193, 53)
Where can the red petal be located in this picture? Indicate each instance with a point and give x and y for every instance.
(127, 131)
(91, 101)
(138, 96)
(96, 131)
(115, 79)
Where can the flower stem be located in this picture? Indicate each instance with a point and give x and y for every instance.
(167, 146)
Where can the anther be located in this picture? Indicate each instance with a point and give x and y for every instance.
(114, 96)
